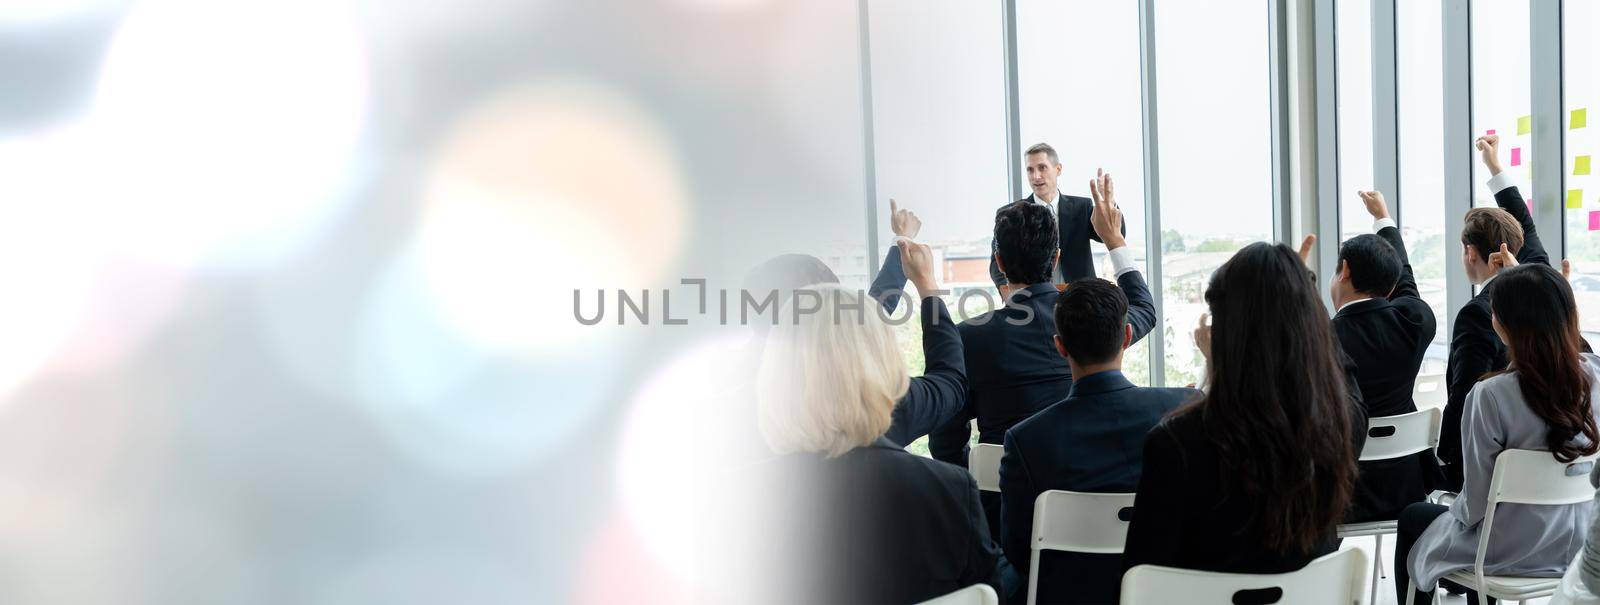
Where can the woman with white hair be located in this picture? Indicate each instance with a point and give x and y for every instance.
(862, 520)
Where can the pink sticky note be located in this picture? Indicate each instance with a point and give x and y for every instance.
(1594, 220)
(1516, 156)
(1491, 131)
(1529, 202)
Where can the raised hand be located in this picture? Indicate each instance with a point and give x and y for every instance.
(1106, 217)
(918, 262)
(1306, 246)
(1566, 269)
(1503, 259)
(1202, 336)
(903, 222)
(1376, 206)
(1489, 146)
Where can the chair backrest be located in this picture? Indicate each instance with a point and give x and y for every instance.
(1081, 522)
(984, 464)
(1532, 477)
(1395, 436)
(1429, 391)
(976, 594)
(1339, 578)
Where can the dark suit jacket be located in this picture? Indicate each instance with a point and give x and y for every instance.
(1072, 220)
(875, 525)
(939, 393)
(1475, 349)
(1093, 441)
(1014, 371)
(1386, 339)
(1180, 517)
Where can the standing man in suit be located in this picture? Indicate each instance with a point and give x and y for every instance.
(1013, 367)
(1475, 349)
(1092, 441)
(1072, 213)
(1384, 326)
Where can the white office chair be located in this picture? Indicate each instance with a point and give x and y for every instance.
(1077, 522)
(1334, 579)
(1522, 477)
(984, 464)
(1390, 437)
(1429, 391)
(976, 594)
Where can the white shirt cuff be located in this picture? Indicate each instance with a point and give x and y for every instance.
(1122, 260)
(1501, 182)
(897, 238)
(1381, 224)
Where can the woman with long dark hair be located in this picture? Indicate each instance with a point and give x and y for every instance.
(1545, 400)
(1255, 476)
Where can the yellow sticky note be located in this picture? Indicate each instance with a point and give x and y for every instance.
(1580, 165)
(1574, 198)
(1524, 124)
(1580, 118)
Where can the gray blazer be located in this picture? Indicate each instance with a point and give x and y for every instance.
(1589, 563)
(1538, 541)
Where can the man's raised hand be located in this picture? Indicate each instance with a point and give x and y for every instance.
(1376, 206)
(903, 222)
(1306, 245)
(1106, 217)
(1489, 146)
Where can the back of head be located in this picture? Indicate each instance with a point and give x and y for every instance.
(1026, 238)
(829, 380)
(782, 274)
(1276, 407)
(1374, 264)
(1535, 308)
(1090, 318)
(1484, 229)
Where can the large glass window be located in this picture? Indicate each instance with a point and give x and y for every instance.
(1501, 102)
(1581, 89)
(1354, 40)
(1078, 75)
(938, 101)
(1419, 61)
(1216, 180)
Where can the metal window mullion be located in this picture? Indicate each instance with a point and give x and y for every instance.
(1386, 107)
(1008, 24)
(1549, 126)
(1456, 22)
(1152, 186)
(1327, 142)
(869, 146)
(1279, 58)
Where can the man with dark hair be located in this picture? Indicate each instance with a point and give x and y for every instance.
(1013, 369)
(1091, 441)
(1072, 214)
(1384, 327)
(1475, 349)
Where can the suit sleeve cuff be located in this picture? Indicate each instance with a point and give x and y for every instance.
(1501, 182)
(1384, 223)
(1122, 260)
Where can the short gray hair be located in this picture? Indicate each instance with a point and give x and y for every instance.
(1043, 148)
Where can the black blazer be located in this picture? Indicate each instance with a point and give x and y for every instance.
(1015, 370)
(939, 393)
(1090, 442)
(1180, 517)
(1475, 349)
(875, 525)
(1386, 339)
(1072, 219)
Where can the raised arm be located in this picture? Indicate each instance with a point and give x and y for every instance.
(1106, 219)
(940, 392)
(892, 276)
(1510, 199)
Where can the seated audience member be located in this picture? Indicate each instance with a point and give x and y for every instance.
(939, 393)
(856, 517)
(1546, 401)
(1091, 441)
(1013, 368)
(1384, 326)
(1581, 584)
(1255, 476)
(1475, 350)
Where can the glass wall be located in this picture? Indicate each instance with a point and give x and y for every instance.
(1419, 61)
(1216, 180)
(1353, 38)
(1078, 78)
(1501, 103)
(1581, 89)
